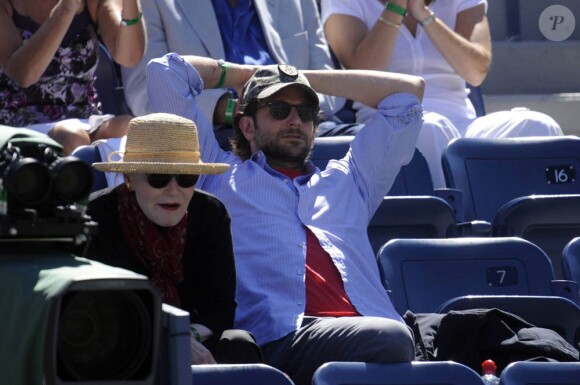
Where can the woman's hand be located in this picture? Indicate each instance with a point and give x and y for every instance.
(418, 9)
(200, 354)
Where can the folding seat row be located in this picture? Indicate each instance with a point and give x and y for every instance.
(421, 274)
(524, 187)
(415, 373)
(445, 372)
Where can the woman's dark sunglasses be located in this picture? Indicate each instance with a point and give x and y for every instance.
(280, 110)
(162, 180)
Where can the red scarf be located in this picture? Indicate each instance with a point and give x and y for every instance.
(159, 249)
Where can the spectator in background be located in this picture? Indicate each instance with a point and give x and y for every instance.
(445, 42)
(308, 285)
(158, 225)
(48, 58)
(255, 32)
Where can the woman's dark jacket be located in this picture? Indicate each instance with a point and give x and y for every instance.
(207, 291)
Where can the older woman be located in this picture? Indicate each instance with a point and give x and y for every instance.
(159, 225)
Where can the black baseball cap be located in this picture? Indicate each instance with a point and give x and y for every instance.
(273, 78)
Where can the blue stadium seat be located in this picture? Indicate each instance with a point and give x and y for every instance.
(421, 274)
(329, 147)
(410, 210)
(90, 154)
(411, 217)
(109, 85)
(491, 172)
(552, 312)
(413, 179)
(476, 98)
(413, 373)
(548, 221)
(238, 374)
(571, 260)
(541, 373)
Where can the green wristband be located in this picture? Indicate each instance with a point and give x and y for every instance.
(224, 67)
(396, 9)
(130, 22)
(229, 116)
(195, 333)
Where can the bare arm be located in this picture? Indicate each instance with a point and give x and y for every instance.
(357, 47)
(125, 42)
(366, 86)
(26, 62)
(467, 49)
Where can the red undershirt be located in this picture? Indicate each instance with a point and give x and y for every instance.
(325, 294)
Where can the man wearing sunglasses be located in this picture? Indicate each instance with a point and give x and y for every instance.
(308, 285)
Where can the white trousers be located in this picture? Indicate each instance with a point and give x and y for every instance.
(437, 131)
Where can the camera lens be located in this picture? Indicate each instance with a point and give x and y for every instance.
(104, 335)
(28, 180)
(72, 179)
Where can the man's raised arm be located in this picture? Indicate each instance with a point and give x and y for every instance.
(366, 86)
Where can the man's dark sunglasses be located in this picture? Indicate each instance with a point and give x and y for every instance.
(280, 110)
(162, 180)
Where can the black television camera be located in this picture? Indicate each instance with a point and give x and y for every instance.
(66, 319)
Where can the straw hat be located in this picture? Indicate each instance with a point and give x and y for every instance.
(161, 144)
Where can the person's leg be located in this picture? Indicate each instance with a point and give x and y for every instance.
(70, 133)
(355, 339)
(113, 127)
(436, 133)
(515, 123)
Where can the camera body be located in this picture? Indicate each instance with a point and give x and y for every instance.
(66, 319)
(42, 193)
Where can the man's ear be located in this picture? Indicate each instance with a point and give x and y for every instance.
(247, 128)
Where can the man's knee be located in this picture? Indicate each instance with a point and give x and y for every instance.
(389, 341)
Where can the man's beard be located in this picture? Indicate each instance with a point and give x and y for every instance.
(284, 152)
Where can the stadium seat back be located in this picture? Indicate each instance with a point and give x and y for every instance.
(238, 374)
(421, 274)
(571, 260)
(541, 373)
(411, 217)
(413, 179)
(109, 85)
(548, 221)
(491, 172)
(413, 373)
(476, 98)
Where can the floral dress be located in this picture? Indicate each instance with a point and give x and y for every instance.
(66, 89)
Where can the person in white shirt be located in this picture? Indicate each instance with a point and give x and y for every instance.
(447, 42)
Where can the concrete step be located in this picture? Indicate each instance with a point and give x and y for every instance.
(564, 108)
(534, 67)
